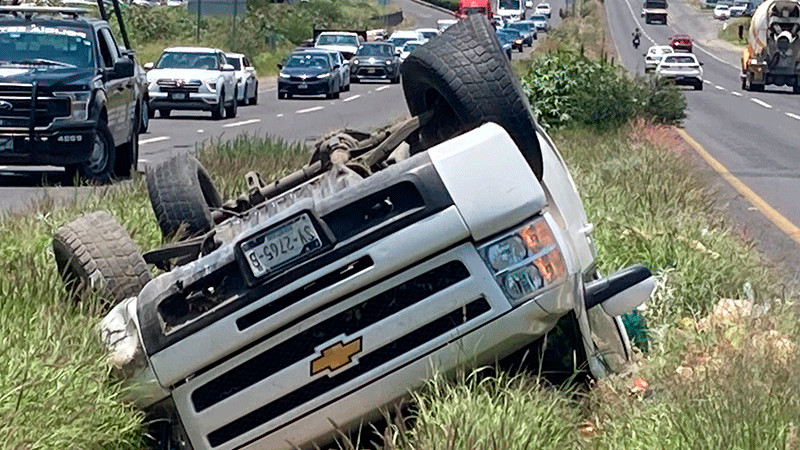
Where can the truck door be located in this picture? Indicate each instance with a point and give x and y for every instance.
(119, 91)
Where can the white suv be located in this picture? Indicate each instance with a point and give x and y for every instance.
(343, 42)
(192, 78)
(682, 68)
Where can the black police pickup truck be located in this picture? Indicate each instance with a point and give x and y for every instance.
(68, 94)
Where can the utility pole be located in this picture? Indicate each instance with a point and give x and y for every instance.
(233, 30)
(199, 8)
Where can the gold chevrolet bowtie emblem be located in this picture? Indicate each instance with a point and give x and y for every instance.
(336, 356)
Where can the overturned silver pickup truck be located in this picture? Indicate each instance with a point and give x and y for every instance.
(451, 240)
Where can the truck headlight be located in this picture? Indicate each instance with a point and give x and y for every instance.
(79, 103)
(525, 261)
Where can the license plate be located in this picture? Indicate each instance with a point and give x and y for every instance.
(289, 240)
(6, 145)
(178, 96)
(302, 86)
(371, 71)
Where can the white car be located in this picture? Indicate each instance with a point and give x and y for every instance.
(681, 68)
(400, 37)
(428, 33)
(654, 55)
(192, 78)
(341, 41)
(543, 8)
(246, 78)
(344, 69)
(722, 12)
(409, 47)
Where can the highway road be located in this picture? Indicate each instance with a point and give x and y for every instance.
(753, 136)
(365, 107)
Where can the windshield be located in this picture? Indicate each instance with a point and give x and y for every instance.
(188, 60)
(337, 39)
(507, 34)
(399, 42)
(46, 46)
(680, 60)
(308, 61)
(428, 34)
(539, 18)
(236, 63)
(520, 26)
(510, 4)
(410, 47)
(475, 10)
(375, 50)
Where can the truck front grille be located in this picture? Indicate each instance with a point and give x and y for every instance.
(346, 322)
(366, 363)
(16, 104)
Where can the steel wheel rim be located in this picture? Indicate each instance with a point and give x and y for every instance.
(98, 160)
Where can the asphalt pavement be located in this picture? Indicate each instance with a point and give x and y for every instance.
(366, 106)
(753, 136)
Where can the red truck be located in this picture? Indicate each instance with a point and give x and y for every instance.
(466, 7)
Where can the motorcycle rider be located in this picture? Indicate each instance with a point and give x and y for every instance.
(637, 36)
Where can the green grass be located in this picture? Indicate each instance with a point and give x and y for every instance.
(731, 32)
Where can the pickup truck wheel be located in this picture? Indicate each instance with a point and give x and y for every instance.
(254, 99)
(127, 157)
(233, 108)
(164, 112)
(182, 194)
(219, 112)
(95, 253)
(464, 77)
(144, 116)
(102, 161)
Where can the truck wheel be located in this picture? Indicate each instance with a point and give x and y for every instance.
(744, 83)
(144, 116)
(181, 194)
(231, 111)
(219, 112)
(796, 87)
(127, 157)
(464, 77)
(102, 161)
(698, 86)
(95, 253)
(164, 112)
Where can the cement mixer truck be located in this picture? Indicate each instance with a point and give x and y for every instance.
(772, 55)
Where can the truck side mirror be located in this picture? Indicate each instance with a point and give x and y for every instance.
(149, 66)
(123, 68)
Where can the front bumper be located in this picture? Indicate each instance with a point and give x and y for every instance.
(193, 101)
(374, 71)
(315, 87)
(59, 145)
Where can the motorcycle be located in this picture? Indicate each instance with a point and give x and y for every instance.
(636, 42)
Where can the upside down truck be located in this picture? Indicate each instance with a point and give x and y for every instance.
(772, 55)
(447, 241)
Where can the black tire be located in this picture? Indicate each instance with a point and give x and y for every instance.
(164, 112)
(698, 86)
(102, 162)
(289, 96)
(144, 117)
(254, 99)
(396, 80)
(219, 112)
(181, 194)
(796, 87)
(151, 112)
(127, 157)
(744, 83)
(233, 108)
(94, 252)
(756, 87)
(281, 95)
(464, 77)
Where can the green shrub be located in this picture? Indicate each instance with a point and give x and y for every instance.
(565, 88)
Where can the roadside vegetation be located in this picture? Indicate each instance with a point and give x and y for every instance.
(723, 330)
(731, 32)
(266, 33)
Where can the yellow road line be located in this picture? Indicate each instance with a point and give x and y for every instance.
(785, 225)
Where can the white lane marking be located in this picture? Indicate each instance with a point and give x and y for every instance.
(706, 82)
(279, 115)
(308, 110)
(382, 88)
(759, 102)
(736, 94)
(242, 123)
(350, 99)
(793, 116)
(143, 161)
(152, 140)
(201, 131)
(719, 87)
(636, 19)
